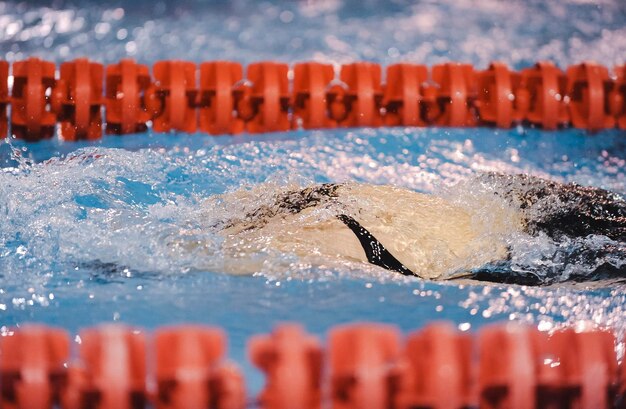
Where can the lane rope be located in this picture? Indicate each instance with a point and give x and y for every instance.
(365, 365)
(85, 98)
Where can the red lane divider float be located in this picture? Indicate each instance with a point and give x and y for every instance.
(31, 113)
(496, 96)
(362, 95)
(262, 102)
(190, 371)
(364, 366)
(403, 95)
(112, 373)
(171, 100)
(508, 367)
(587, 87)
(542, 95)
(450, 98)
(292, 362)
(216, 102)
(78, 100)
(32, 369)
(437, 371)
(310, 96)
(617, 97)
(217, 99)
(126, 85)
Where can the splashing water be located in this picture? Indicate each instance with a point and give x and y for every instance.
(126, 208)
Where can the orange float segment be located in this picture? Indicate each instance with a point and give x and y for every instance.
(78, 100)
(588, 366)
(263, 103)
(292, 362)
(31, 114)
(113, 372)
(186, 357)
(496, 95)
(587, 88)
(545, 85)
(362, 360)
(617, 97)
(402, 94)
(439, 371)
(549, 373)
(33, 367)
(4, 97)
(508, 367)
(310, 83)
(455, 94)
(363, 94)
(126, 84)
(216, 100)
(172, 99)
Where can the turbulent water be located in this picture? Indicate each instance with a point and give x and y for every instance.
(153, 210)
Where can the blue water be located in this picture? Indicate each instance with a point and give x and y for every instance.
(85, 226)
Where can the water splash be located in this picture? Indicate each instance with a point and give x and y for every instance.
(140, 209)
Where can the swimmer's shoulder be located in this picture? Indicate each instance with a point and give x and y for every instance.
(394, 198)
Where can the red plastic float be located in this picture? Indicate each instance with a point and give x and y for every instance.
(508, 370)
(454, 95)
(263, 102)
(541, 96)
(4, 97)
(189, 371)
(496, 95)
(402, 94)
(172, 98)
(113, 371)
(588, 368)
(617, 97)
(292, 362)
(31, 113)
(587, 87)
(217, 103)
(33, 367)
(438, 370)
(77, 99)
(126, 84)
(362, 359)
(310, 83)
(363, 95)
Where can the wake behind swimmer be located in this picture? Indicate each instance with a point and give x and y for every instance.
(488, 236)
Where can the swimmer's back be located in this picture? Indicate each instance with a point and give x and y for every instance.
(430, 236)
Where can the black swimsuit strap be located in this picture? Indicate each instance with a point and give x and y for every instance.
(375, 252)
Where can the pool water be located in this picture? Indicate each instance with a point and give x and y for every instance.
(85, 226)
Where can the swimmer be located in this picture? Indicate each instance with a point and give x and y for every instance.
(428, 236)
